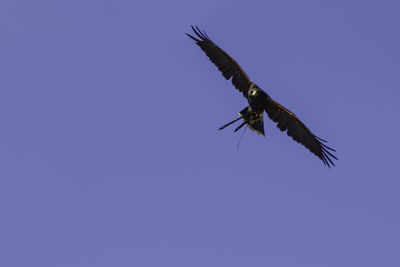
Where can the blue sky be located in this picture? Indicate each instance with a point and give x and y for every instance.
(111, 155)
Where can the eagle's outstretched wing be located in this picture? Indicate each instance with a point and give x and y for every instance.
(287, 120)
(226, 64)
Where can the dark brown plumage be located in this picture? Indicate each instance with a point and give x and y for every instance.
(260, 101)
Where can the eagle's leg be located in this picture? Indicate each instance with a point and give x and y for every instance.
(229, 123)
(240, 126)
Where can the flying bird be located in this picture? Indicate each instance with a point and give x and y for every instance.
(259, 101)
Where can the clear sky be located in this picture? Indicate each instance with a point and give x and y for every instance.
(110, 153)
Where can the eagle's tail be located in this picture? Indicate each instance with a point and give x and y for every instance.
(254, 120)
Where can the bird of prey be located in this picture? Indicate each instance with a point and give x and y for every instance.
(259, 101)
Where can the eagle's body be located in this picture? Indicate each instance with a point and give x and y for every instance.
(252, 115)
(259, 101)
(257, 98)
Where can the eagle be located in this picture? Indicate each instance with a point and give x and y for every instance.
(259, 101)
